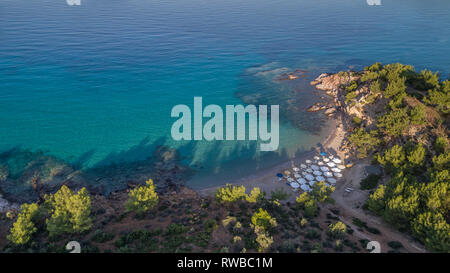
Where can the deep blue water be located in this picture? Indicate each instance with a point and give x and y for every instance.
(95, 83)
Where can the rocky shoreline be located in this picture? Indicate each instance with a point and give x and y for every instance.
(41, 174)
(335, 86)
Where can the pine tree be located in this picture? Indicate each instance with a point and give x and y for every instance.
(417, 156)
(262, 219)
(24, 228)
(69, 211)
(432, 229)
(375, 202)
(255, 195)
(395, 122)
(142, 198)
(393, 159)
(364, 142)
(337, 230)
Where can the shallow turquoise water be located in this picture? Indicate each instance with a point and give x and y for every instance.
(95, 84)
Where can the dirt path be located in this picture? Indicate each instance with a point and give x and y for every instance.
(350, 206)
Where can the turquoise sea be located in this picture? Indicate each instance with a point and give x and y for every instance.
(94, 84)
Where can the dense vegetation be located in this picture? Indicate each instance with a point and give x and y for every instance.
(410, 140)
(64, 212)
(145, 221)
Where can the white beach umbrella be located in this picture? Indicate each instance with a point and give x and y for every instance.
(308, 161)
(296, 175)
(309, 177)
(316, 157)
(305, 187)
(341, 167)
(290, 179)
(309, 170)
(303, 166)
(336, 170)
(331, 164)
(338, 175)
(320, 163)
(326, 159)
(317, 173)
(324, 169)
(311, 183)
(337, 160)
(304, 173)
(328, 174)
(301, 181)
(331, 157)
(295, 185)
(332, 180)
(315, 167)
(320, 178)
(296, 169)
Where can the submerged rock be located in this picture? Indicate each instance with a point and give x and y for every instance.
(39, 174)
(6, 206)
(318, 107)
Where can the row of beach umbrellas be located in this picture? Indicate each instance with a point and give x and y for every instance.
(322, 169)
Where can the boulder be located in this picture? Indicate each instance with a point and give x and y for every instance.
(330, 111)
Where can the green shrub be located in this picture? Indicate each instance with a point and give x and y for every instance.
(370, 182)
(356, 120)
(337, 230)
(210, 225)
(351, 87)
(440, 145)
(358, 222)
(374, 67)
(350, 96)
(313, 234)
(375, 87)
(369, 76)
(100, 236)
(373, 230)
(418, 115)
(395, 244)
(175, 229)
(279, 194)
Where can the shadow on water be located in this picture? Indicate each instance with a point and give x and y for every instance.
(26, 175)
